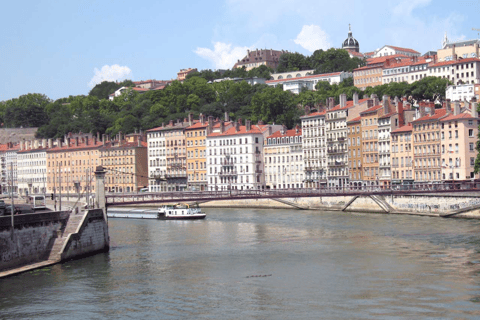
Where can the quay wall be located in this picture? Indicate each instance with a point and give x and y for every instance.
(31, 239)
(50, 237)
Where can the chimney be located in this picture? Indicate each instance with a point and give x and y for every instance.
(474, 111)
(307, 110)
(86, 140)
(210, 124)
(202, 118)
(120, 139)
(355, 98)
(331, 103)
(95, 141)
(453, 53)
(248, 125)
(98, 136)
(297, 128)
(22, 145)
(170, 123)
(284, 129)
(343, 100)
(374, 97)
(456, 108)
(222, 126)
(432, 108)
(385, 104)
(44, 143)
(190, 118)
(240, 122)
(237, 126)
(103, 139)
(50, 143)
(59, 144)
(448, 106)
(401, 118)
(227, 118)
(76, 141)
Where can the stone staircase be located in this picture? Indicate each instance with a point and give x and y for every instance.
(72, 225)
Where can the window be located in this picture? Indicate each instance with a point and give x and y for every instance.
(470, 133)
(471, 146)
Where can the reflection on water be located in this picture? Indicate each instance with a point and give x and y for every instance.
(319, 265)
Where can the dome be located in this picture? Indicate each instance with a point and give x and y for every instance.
(351, 43)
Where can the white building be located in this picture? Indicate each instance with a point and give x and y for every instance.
(460, 71)
(121, 90)
(336, 133)
(314, 148)
(235, 156)
(392, 50)
(32, 167)
(9, 172)
(296, 84)
(157, 160)
(462, 92)
(284, 159)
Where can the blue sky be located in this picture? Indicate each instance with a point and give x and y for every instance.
(62, 48)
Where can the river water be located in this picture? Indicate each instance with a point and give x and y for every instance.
(264, 264)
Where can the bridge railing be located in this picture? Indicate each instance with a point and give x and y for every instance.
(188, 196)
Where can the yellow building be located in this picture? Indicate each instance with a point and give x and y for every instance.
(195, 136)
(401, 154)
(126, 163)
(71, 164)
(354, 135)
(369, 119)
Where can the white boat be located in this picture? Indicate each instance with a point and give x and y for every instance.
(180, 211)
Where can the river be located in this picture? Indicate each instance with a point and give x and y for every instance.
(264, 264)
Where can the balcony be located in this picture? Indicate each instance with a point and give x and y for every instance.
(226, 163)
(336, 151)
(336, 164)
(258, 171)
(228, 173)
(173, 175)
(341, 139)
(158, 176)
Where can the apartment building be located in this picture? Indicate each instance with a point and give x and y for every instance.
(71, 164)
(355, 155)
(459, 132)
(257, 58)
(284, 159)
(235, 156)
(459, 71)
(369, 121)
(32, 167)
(315, 148)
(126, 162)
(426, 144)
(336, 132)
(402, 156)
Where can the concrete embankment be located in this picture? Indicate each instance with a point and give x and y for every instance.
(43, 239)
(465, 206)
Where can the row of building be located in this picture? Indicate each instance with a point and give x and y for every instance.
(363, 142)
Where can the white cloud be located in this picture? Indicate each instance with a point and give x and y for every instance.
(223, 56)
(110, 73)
(407, 6)
(312, 38)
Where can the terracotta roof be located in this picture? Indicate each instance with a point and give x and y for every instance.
(174, 126)
(125, 145)
(348, 105)
(242, 130)
(384, 58)
(403, 49)
(323, 75)
(439, 113)
(314, 114)
(445, 63)
(405, 128)
(288, 133)
(197, 125)
(32, 150)
(139, 89)
(408, 62)
(355, 54)
(80, 146)
(388, 115)
(357, 119)
(375, 108)
(464, 115)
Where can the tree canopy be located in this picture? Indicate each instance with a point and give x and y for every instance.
(104, 89)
